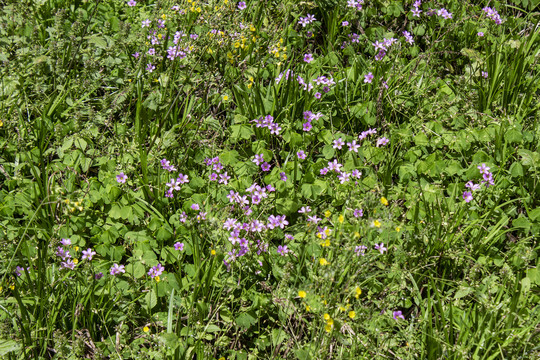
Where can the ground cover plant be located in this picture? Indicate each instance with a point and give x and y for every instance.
(269, 179)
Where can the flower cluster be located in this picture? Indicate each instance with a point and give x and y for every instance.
(487, 180)
(383, 47)
(304, 21)
(268, 122)
(355, 4)
(416, 10)
(493, 15)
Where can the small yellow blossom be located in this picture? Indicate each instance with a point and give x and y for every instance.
(163, 16)
(398, 229)
(326, 317)
(327, 213)
(76, 248)
(341, 219)
(376, 223)
(352, 314)
(225, 98)
(213, 252)
(157, 279)
(342, 308)
(356, 234)
(328, 327)
(326, 243)
(323, 261)
(251, 27)
(146, 329)
(384, 201)
(75, 261)
(12, 287)
(308, 308)
(302, 294)
(358, 292)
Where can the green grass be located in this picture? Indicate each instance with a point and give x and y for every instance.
(77, 109)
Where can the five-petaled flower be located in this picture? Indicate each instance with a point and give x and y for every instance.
(121, 178)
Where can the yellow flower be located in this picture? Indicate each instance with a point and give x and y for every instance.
(308, 308)
(225, 98)
(302, 294)
(146, 329)
(326, 243)
(398, 229)
(326, 317)
(328, 327)
(12, 287)
(357, 234)
(352, 314)
(376, 223)
(327, 213)
(341, 219)
(384, 201)
(252, 28)
(358, 292)
(75, 261)
(236, 44)
(342, 308)
(213, 252)
(157, 279)
(76, 248)
(163, 16)
(323, 261)
(1, 123)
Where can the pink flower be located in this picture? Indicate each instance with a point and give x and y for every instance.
(368, 78)
(308, 58)
(467, 196)
(132, 3)
(121, 178)
(179, 246)
(88, 254)
(242, 5)
(117, 269)
(398, 315)
(381, 248)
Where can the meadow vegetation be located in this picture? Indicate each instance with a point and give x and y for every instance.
(323, 179)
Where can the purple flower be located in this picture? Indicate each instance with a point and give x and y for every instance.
(308, 58)
(344, 177)
(483, 169)
(304, 210)
(117, 269)
(98, 276)
(146, 23)
(156, 271)
(242, 5)
(135, 55)
(382, 141)
(398, 314)
(179, 246)
(282, 250)
(65, 242)
(323, 171)
(259, 159)
(484, 74)
(318, 95)
(444, 13)
(195, 207)
(150, 68)
(283, 176)
(64, 254)
(408, 37)
(265, 166)
(338, 143)
(301, 154)
(472, 186)
(121, 178)
(467, 196)
(132, 3)
(345, 23)
(480, 34)
(358, 213)
(416, 12)
(307, 126)
(69, 264)
(313, 219)
(19, 270)
(360, 250)
(368, 78)
(88, 254)
(173, 185)
(353, 146)
(381, 248)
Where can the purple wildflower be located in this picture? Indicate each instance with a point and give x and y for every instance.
(121, 178)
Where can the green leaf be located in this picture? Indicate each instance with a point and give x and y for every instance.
(516, 170)
(151, 299)
(241, 132)
(7, 346)
(328, 151)
(245, 320)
